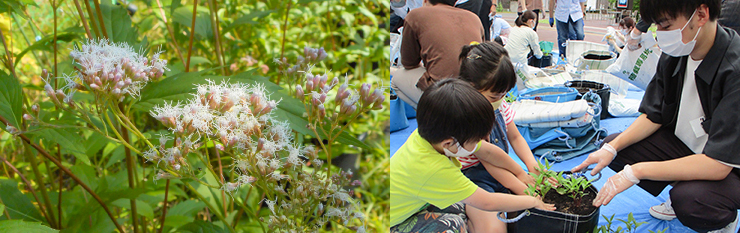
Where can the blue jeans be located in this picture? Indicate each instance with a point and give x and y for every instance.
(570, 30)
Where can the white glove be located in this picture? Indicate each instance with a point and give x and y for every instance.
(602, 157)
(616, 184)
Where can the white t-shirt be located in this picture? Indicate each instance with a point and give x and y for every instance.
(521, 39)
(690, 112)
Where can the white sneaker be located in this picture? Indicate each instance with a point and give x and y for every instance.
(664, 211)
(730, 228)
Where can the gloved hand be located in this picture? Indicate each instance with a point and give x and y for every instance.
(552, 21)
(601, 157)
(616, 184)
(633, 42)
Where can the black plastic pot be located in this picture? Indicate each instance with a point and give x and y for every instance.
(543, 221)
(601, 89)
(545, 61)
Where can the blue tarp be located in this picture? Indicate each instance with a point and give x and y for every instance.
(633, 200)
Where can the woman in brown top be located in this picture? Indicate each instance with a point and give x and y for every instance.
(434, 35)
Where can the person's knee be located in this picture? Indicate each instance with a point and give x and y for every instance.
(700, 207)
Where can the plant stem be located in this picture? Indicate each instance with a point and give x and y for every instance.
(84, 21)
(61, 175)
(92, 18)
(30, 188)
(285, 31)
(8, 54)
(26, 38)
(249, 211)
(39, 182)
(192, 34)
(170, 31)
(74, 177)
(214, 16)
(56, 70)
(130, 168)
(100, 19)
(208, 204)
(221, 173)
(164, 206)
(120, 138)
(218, 35)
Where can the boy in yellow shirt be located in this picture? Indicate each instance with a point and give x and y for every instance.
(429, 193)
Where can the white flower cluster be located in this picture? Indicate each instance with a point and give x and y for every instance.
(115, 69)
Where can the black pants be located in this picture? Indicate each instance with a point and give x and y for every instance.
(536, 19)
(700, 205)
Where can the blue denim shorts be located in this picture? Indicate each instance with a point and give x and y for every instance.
(480, 176)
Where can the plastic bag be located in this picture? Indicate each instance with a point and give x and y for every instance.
(624, 107)
(638, 66)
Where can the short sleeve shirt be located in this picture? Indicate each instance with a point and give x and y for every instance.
(421, 175)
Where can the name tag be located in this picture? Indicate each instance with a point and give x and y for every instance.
(697, 128)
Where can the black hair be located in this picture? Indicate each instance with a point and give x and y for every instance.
(451, 108)
(487, 67)
(526, 16)
(446, 2)
(627, 22)
(654, 10)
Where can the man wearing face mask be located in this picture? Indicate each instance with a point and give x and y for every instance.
(688, 133)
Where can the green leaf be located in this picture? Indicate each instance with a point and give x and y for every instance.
(174, 88)
(186, 208)
(142, 208)
(184, 16)
(200, 226)
(2, 209)
(70, 141)
(20, 226)
(118, 23)
(17, 204)
(248, 19)
(11, 100)
(46, 44)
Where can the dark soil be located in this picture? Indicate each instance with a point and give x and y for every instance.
(597, 57)
(565, 204)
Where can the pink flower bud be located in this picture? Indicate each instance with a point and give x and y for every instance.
(35, 108)
(94, 86)
(254, 99)
(351, 109)
(119, 84)
(379, 103)
(322, 54)
(322, 98)
(299, 92)
(44, 73)
(116, 91)
(364, 90)
(49, 91)
(220, 147)
(322, 111)
(260, 144)
(309, 85)
(317, 81)
(60, 94)
(334, 81)
(27, 117)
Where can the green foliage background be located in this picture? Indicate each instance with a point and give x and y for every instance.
(253, 34)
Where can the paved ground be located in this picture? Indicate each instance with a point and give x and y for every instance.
(594, 28)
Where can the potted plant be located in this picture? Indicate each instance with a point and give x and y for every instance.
(572, 195)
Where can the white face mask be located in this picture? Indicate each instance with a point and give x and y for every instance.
(670, 41)
(624, 32)
(461, 152)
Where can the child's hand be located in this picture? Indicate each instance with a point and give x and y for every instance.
(526, 178)
(544, 206)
